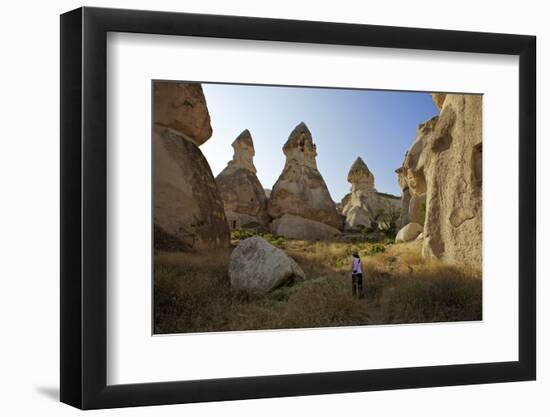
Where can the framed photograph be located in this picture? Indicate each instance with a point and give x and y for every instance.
(257, 208)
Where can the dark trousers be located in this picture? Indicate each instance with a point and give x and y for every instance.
(357, 285)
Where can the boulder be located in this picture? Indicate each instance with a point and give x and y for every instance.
(301, 190)
(364, 205)
(408, 233)
(242, 193)
(182, 107)
(295, 227)
(258, 266)
(188, 210)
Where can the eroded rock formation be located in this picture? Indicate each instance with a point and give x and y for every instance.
(363, 206)
(295, 227)
(300, 190)
(412, 178)
(444, 165)
(182, 107)
(188, 210)
(258, 266)
(243, 196)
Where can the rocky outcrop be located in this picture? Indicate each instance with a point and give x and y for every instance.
(294, 227)
(439, 99)
(258, 266)
(417, 209)
(405, 204)
(453, 227)
(364, 206)
(444, 166)
(300, 190)
(242, 194)
(188, 210)
(408, 233)
(182, 108)
(411, 176)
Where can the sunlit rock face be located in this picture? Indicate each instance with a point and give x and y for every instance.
(364, 204)
(182, 108)
(301, 190)
(442, 172)
(243, 196)
(259, 267)
(411, 176)
(453, 227)
(188, 210)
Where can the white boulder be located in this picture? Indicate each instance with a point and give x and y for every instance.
(258, 266)
(408, 233)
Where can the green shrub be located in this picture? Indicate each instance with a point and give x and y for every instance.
(373, 249)
(241, 234)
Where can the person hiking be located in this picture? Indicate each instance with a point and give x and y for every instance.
(356, 275)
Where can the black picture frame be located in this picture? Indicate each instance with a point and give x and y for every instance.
(84, 207)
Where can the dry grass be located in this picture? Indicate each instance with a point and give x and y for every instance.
(192, 291)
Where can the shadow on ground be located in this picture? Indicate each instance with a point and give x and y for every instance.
(50, 392)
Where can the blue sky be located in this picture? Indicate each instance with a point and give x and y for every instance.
(378, 126)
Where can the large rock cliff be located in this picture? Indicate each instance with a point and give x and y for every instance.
(188, 210)
(444, 167)
(243, 196)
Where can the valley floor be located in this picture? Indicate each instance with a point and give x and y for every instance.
(192, 291)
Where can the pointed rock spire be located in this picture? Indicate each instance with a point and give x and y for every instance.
(243, 140)
(300, 146)
(242, 193)
(360, 176)
(243, 156)
(301, 191)
(363, 204)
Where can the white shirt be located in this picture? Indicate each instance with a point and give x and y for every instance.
(356, 266)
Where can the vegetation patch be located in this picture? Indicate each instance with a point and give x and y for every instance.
(193, 293)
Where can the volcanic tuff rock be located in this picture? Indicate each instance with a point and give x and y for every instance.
(445, 165)
(364, 203)
(300, 189)
(408, 233)
(188, 210)
(182, 107)
(439, 99)
(258, 266)
(294, 227)
(411, 176)
(243, 196)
